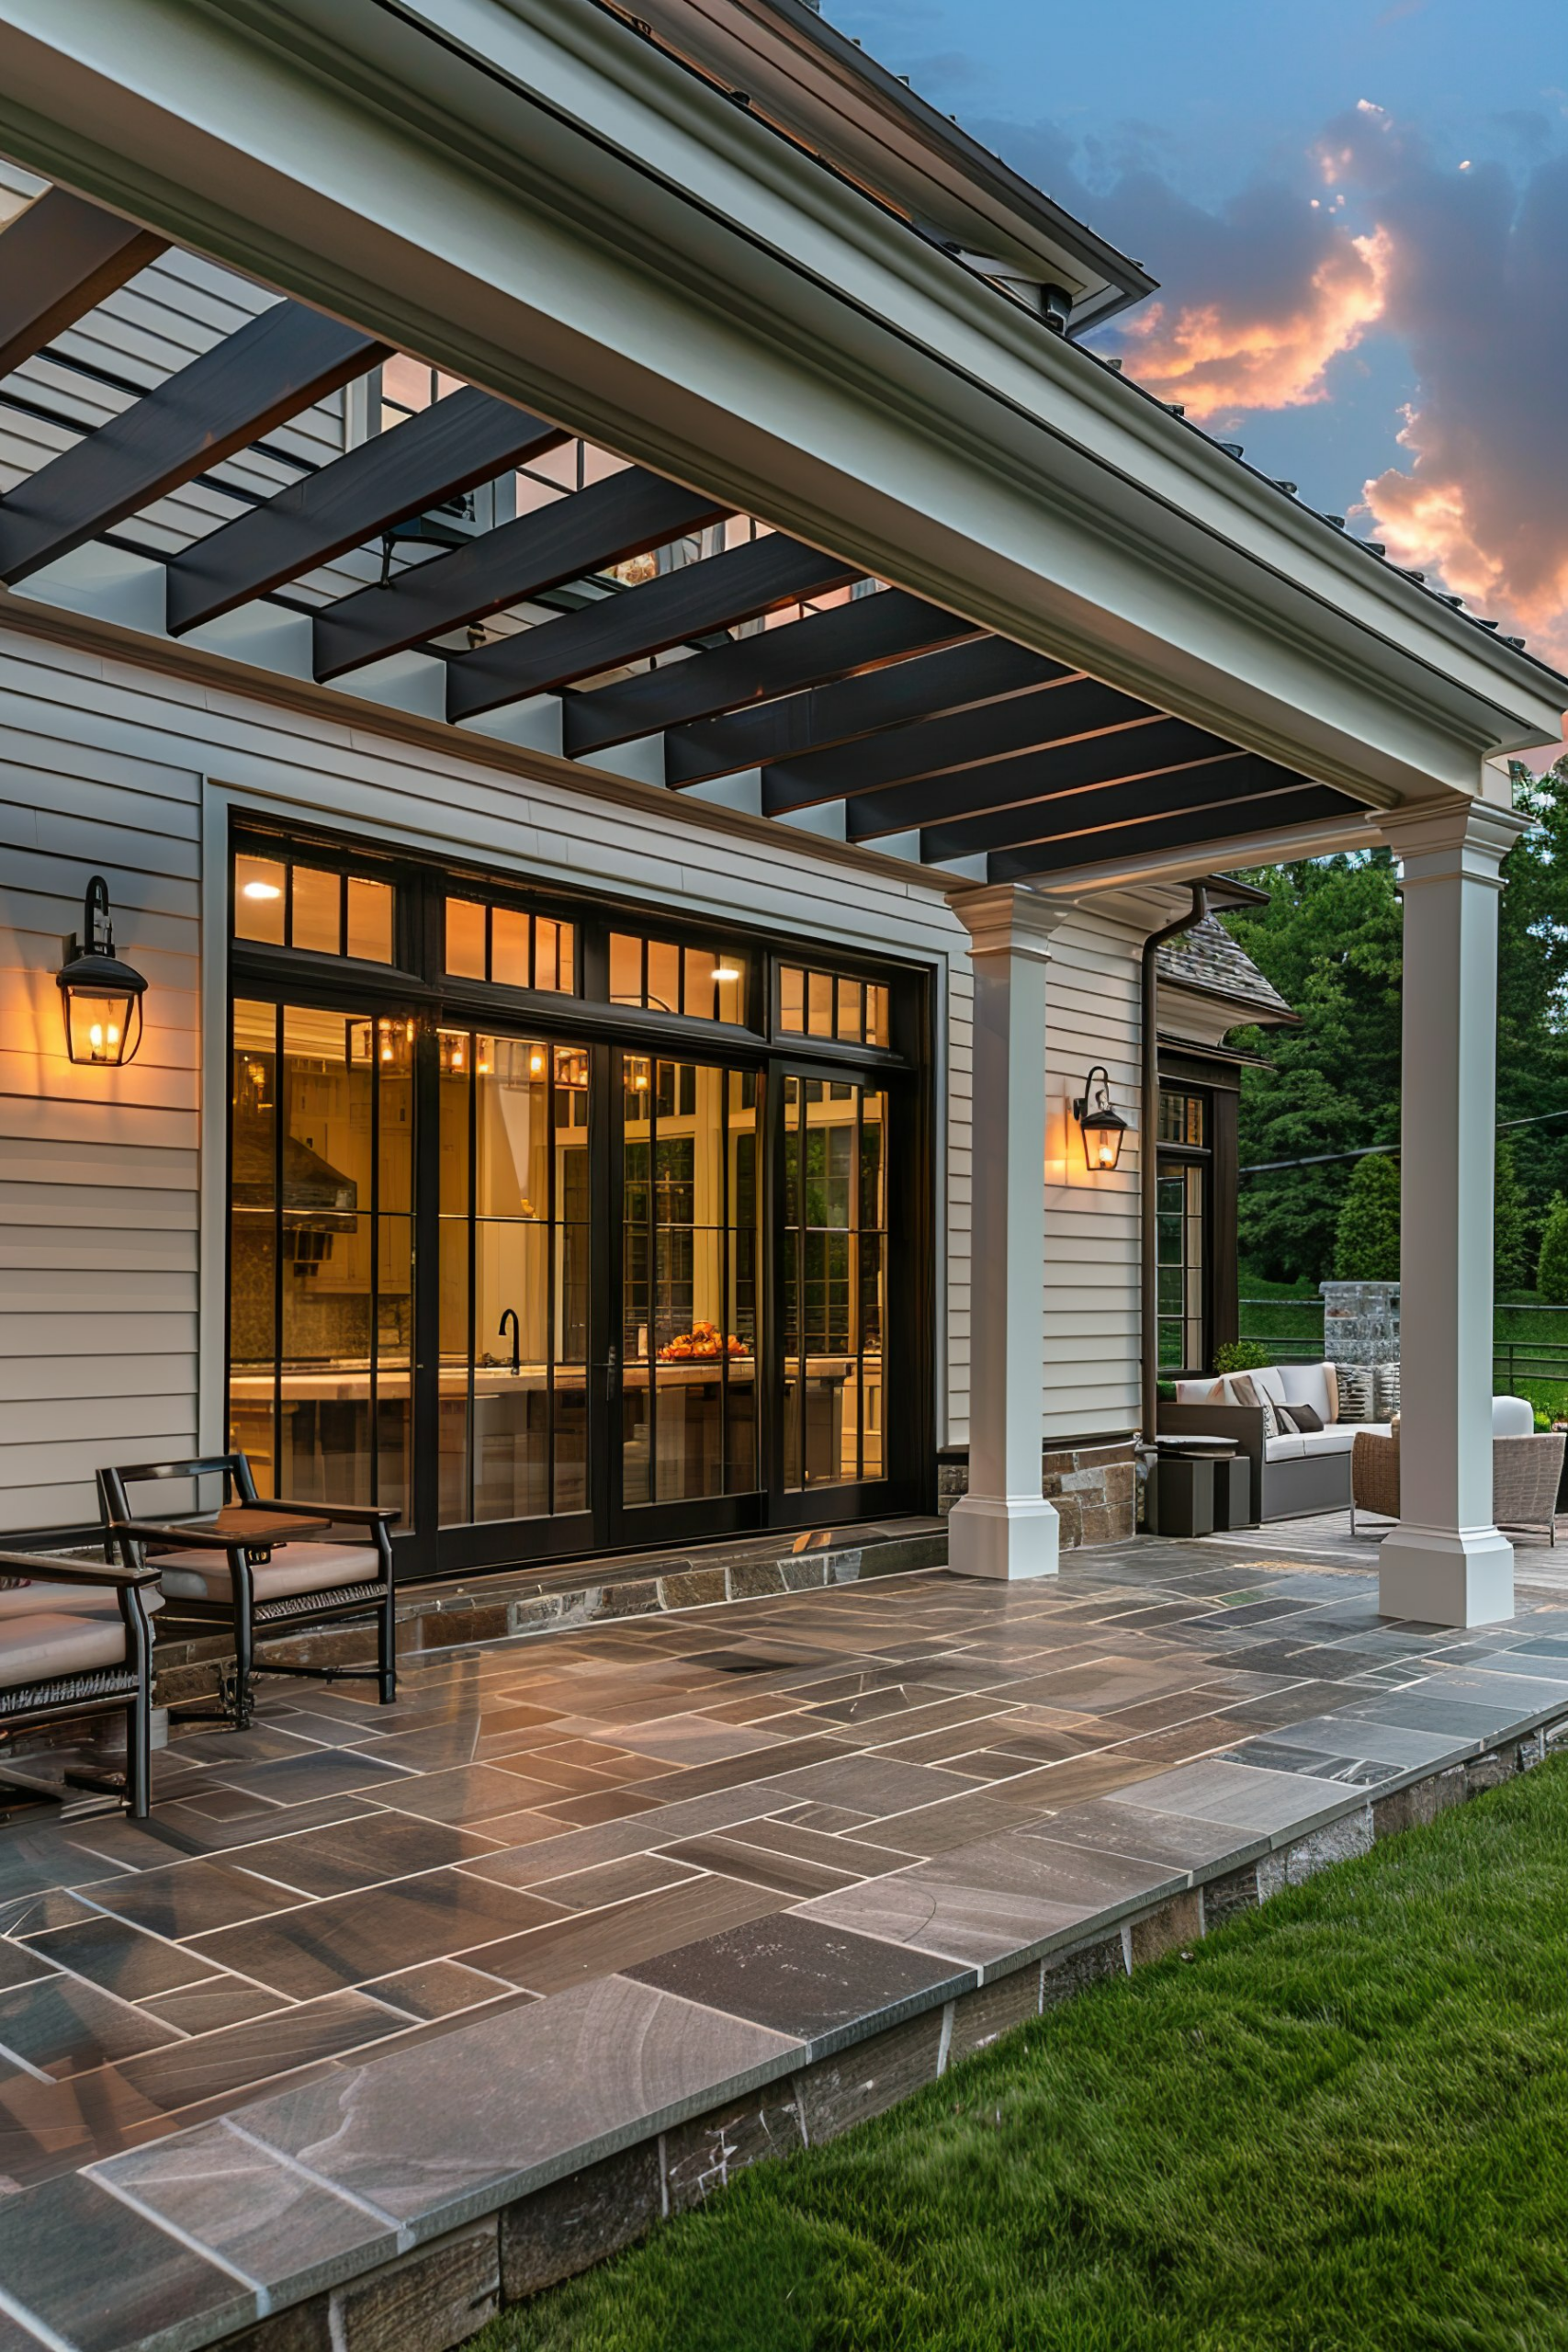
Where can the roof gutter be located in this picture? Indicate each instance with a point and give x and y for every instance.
(1148, 1154)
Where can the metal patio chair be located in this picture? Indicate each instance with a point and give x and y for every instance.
(76, 1640)
(256, 1569)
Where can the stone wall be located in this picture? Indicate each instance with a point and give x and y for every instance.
(1093, 1488)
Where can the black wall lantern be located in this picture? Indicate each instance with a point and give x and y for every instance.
(103, 996)
(1100, 1122)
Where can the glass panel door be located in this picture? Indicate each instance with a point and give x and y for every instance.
(513, 1283)
(690, 1319)
(833, 1278)
(320, 1315)
(1180, 1259)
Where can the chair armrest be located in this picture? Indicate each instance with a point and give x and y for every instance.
(178, 1538)
(43, 1568)
(350, 1514)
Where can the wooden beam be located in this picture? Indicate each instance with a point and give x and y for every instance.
(1141, 749)
(58, 260)
(965, 677)
(1237, 821)
(1051, 714)
(467, 438)
(251, 381)
(625, 516)
(1206, 783)
(699, 598)
(850, 640)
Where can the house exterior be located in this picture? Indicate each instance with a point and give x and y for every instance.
(641, 701)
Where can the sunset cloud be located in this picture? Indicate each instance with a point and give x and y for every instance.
(1464, 266)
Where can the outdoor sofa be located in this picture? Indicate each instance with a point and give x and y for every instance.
(76, 1641)
(1293, 1471)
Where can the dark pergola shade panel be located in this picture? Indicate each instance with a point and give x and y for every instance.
(1270, 812)
(1028, 721)
(1208, 784)
(698, 598)
(852, 640)
(1145, 748)
(605, 523)
(251, 381)
(467, 438)
(58, 260)
(965, 677)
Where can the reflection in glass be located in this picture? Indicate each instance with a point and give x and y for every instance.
(689, 1305)
(321, 1264)
(834, 1290)
(1179, 1250)
(514, 1277)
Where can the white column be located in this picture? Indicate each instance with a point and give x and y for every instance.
(1003, 1526)
(1446, 1562)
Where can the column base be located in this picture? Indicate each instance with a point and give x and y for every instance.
(1008, 1536)
(1445, 1576)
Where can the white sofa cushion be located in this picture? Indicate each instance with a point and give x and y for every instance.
(1283, 1449)
(294, 1567)
(1200, 1392)
(1308, 1384)
(51, 1643)
(1512, 1417)
(1269, 1381)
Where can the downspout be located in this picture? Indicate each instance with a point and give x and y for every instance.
(1148, 1154)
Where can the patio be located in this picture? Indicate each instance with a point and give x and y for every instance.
(370, 1977)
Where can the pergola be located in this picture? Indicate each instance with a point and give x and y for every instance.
(1078, 640)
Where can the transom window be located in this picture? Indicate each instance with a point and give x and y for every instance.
(1181, 1118)
(510, 947)
(828, 1004)
(657, 976)
(282, 903)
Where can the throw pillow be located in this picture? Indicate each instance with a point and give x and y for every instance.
(1305, 1418)
(1245, 1390)
(1333, 1379)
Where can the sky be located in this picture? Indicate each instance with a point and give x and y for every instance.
(1358, 213)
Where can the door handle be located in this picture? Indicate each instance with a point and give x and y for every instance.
(612, 1376)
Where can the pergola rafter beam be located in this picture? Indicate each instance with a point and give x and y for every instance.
(625, 516)
(467, 438)
(253, 381)
(57, 260)
(852, 640)
(691, 602)
(1207, 784)
(1027, 722)
(1237, 821)
(1143, 747)
(965, 677)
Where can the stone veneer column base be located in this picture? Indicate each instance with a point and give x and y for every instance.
(1093, 1488)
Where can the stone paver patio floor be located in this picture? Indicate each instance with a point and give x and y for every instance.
(371, 1972)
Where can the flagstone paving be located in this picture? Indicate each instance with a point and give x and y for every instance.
(368, 1972)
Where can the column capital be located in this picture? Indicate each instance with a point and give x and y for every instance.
(1442, 840)
(1003, 919)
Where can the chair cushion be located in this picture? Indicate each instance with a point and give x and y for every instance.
(294, 1567)
(1512, 1417)
(1308, 1384)
(1338, 1439)
(68, 1599)
(1283, 1449)
(50, 1643)
(1200, 1392)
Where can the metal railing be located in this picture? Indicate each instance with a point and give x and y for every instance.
(1515, 1354)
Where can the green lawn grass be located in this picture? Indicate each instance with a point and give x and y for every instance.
(1342, 2122)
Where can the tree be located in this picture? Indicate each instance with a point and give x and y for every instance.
(1366, 1239)
(1510, 1227)
(1552, 1275)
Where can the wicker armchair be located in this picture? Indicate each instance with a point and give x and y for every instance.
(1525, 1475)
(246, 1571)
(76, 1640)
